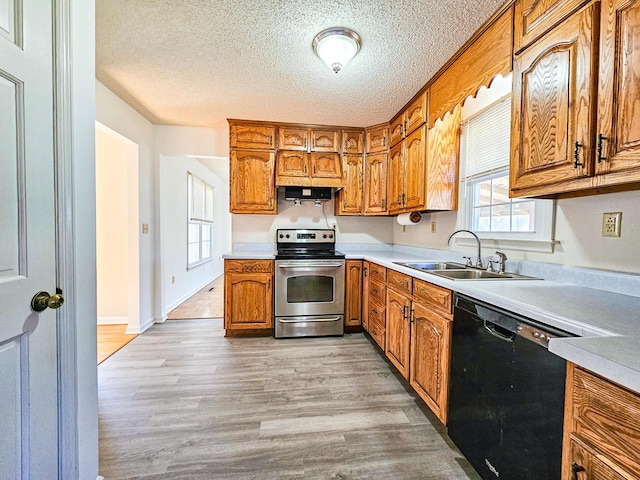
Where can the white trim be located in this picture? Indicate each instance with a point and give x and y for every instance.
(541, 246)
(68, 451)
(188, 295)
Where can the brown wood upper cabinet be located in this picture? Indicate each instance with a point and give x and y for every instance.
(569, 132)
(349, 199)
(308, 139)
(406, 173)
(352, 142)
(252, 181)
(442, 165)
(251, 136)
(376, 138)
(409, 120)
(308, 169)
(533, 18)
(375, 184)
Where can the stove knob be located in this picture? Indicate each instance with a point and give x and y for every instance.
(281, 236)
(324, 236)
(331, 235)
(287, 235)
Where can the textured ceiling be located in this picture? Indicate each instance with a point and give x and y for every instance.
(199, 62)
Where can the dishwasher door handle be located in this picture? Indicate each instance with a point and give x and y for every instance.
(491, 329)
(312, 265)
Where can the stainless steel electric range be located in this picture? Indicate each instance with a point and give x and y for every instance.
(309, 284)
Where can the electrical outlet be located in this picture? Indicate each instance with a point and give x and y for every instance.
(611, 224)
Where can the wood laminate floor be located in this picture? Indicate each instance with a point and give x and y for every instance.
(207, 303)
(184, 402)
(111, 338)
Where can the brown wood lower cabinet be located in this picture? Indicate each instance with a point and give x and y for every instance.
(353, 294)
(414, 328)
(601, 429)
(429, 367)
(248, 297)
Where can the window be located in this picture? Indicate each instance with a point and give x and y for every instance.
(200, 220)
(515, 223)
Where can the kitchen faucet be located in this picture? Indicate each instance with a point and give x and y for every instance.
(479, 260)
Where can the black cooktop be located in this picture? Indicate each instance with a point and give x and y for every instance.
(292, 244)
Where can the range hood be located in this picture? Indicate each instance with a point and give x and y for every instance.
(307, 193)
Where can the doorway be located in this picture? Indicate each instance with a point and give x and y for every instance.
(117, 235)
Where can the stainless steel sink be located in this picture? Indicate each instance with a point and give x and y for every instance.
(428, 266)
(458, 271)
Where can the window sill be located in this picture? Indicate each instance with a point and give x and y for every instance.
(540, 246)
(197, 264)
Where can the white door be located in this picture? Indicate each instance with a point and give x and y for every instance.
(28, 364)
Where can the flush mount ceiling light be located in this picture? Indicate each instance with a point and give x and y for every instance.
(336, 46)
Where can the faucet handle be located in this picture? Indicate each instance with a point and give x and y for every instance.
(468, 262)
(503, 261)
(490, 264)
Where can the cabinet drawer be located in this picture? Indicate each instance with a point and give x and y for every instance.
(377, 322)
(378, 292)
(399, 281)
(249, 266)
(378, 273)
(437, 297)
(606, 417)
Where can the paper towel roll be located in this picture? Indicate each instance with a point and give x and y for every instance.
(409, 218)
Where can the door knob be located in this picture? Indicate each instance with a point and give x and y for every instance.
(42, 300)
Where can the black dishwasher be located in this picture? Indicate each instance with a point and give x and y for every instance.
(506, 398)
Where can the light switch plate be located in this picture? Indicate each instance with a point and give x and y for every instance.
(611, 224)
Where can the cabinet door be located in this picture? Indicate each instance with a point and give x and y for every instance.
(416, 114)
(325, 140)
(248, 300)
(396, 130)
(585, 464)
(252, 182)
(252, 136)
(352, 142)
(415, 163)
(554, 108)
(365, 295)
(353, 300)
(532, 18)
(375, 184)
(292, 168)
(396, 178)
(326, 170)
(618, 147)
(349, 198)
(442, 162)
(398, 331)
(376, 140)
(290, 138)
(430, 344)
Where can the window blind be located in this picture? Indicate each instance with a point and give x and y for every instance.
(484, 140)
(200, 199)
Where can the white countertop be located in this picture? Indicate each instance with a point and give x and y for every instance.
(607, 324)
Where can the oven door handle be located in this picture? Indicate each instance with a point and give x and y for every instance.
(307, 319)
(313, 265)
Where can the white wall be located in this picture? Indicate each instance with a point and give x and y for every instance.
(262, 228)
(112, 229)
(178, 282)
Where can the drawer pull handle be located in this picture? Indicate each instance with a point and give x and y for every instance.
(576, 155)
(601, 138)
(575, 469)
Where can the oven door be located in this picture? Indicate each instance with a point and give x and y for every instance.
(309, 287)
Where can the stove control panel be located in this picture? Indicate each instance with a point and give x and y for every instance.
(305, 236)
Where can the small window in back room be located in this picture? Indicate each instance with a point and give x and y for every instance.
(515, 223)
(200, 220)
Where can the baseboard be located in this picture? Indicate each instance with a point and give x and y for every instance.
(113, 320)
(141, 329)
